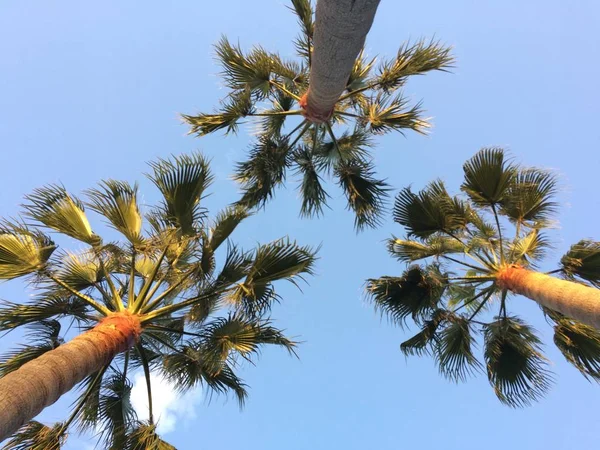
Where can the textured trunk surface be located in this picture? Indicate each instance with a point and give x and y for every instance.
(572, 299)
(341, 27)
(27, 391)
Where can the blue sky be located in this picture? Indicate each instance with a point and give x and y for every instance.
(90, 91)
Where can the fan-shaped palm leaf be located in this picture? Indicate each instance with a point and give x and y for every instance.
(516, 368)
(583, 260)
(182, 180)
(55, 208)
(37, 436)
(488, 176)
(117, 201)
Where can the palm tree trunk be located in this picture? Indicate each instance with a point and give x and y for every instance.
(572, 299)
(341, 27)
(37, 384)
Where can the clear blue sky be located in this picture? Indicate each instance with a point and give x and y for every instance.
(90, 90)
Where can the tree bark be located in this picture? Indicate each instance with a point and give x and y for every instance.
(37, 384)
(341, 27)
(572, 299)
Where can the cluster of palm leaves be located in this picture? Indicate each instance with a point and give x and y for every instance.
(200, 319)
(464, 243)
(265, 86)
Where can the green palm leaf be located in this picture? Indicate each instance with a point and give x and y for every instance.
(304, 11)
(454, 350)
(237, 106)
(410, 251)
(488, 177)
(37, 436)
(117, 201)
(366, 195)
(529, 197)
(416, 294)
(182, 180)
(46, 338)
(385, 114)
(225, 223)
(188, 367)
(421, 342)
(263, 171)
(579, 344)
(242, 71)
(55, 208)
(22, 251)
(413, 59)
(583, 260)
(530, 248)
(429, 211)
(144, 437)
(312, 192)
(115, 412)
(516, 368)
(47, 306)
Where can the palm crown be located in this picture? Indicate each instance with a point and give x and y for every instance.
(465, 246)
(198, 320)
(265, 86)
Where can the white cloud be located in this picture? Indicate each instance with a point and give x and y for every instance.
(169, 407)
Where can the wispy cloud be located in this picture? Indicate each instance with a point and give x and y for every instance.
(169, 407)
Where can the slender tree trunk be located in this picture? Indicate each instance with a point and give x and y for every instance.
(341, 27)
(37, 384)
(574, 300)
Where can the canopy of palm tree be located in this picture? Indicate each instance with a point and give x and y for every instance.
(265, 86)
(194, 320)
(461, 287)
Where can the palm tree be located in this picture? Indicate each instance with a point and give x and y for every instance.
(472, 270)
(265, 86)
(339, 33)
(157, 300)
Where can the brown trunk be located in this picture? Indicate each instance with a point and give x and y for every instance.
(572, 299)
(341, 27)
(37, 384)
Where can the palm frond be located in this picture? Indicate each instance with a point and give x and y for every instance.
(46, 306)
(530, 248)
(454, 350)
(79, 270)
(46, 337)
(37, 436)
(516, 368)
(421, 342)
(115, 411)
(529, 196)
(314, 196)
(182, 180)
(415, 294)
(240, 336)
(488, 177)
(89, 415)
(580, 345)
(55, 208)
(22, 251)
(225, 223)
(263, 171)
(360, 72)
(410, 251)
(188, 367)
(429, 211)
(583, 260)
(240, 71)
(365, 194)
(304, 11)
(117, 201)
(413, 59)
(144, 437)
(347, 147)
(237, 106)
(272, 125)
(385, 114)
